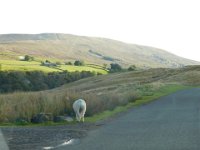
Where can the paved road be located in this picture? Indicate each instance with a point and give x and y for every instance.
(38, 138)
(171, 123)
(3, 145)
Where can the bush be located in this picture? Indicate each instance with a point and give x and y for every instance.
(47, 61)
(79, 63)
(105, 66)
(132, 68)
(22, 107)
(11, 81)
(28, 58)
(68, 63)
(115, 67)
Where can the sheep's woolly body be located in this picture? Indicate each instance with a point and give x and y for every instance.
(79, 107)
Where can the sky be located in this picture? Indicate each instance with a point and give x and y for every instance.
(172, 25)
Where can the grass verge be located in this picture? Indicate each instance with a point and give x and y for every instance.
(165, 90)
(28, 124)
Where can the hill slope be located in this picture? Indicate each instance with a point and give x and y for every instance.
(93, 50)
(100, 92)
(125, 81)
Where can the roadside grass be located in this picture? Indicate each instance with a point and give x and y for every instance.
(105, 95)
(29, 124)
(163, 91)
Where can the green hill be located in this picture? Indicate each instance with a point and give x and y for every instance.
(67, 47)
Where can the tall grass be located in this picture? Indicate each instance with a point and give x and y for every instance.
(27, 104)
(101, 93)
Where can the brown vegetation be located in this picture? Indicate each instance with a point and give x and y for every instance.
(101, 92)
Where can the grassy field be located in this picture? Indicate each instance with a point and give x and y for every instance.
(105, 95)
(82, 68)
(35, 65)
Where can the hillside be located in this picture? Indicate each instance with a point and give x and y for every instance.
(128, 81)
(90, 49)
(100, 92)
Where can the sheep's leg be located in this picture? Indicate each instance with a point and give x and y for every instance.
(77, 117)
(83, 119)
(82, 116)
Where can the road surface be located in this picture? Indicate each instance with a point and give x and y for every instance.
(171, 123)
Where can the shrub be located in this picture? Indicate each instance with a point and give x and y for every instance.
(105, 66)
(132, 68)
(28, 58)
(114, 67)
(68, 63)
(11, 81)
(79, 63)
(22, 106)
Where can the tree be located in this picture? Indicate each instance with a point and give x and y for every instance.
(68, 63)
(47, 61)
(114, 67)
(132, 68)
(79, 63)
(11, 81)
(28, 58)
(105, 66)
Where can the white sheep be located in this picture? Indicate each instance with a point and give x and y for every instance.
(79, 107)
